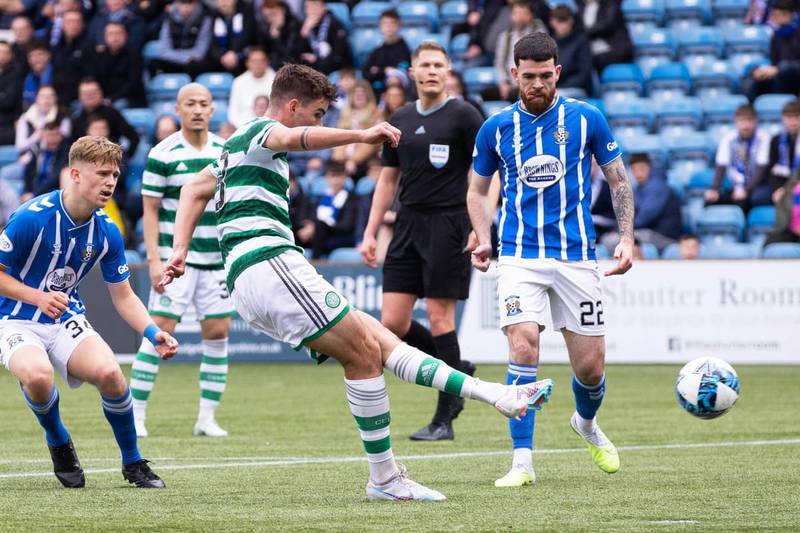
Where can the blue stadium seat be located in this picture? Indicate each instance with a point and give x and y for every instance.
(720, 109)
(165, 87)
(365, 186)
(165, 107)
(142, 119)
(699, 40)
(669, 80)
(150, 51)
(8, 154)
(220, 115)
(219, 83)
(689, 146)
(345, 255)
(671, 251)
(602, 252)
(623, 79)
(415, 36)
(727, 250)
(142, 151)
(787, 250)
(770, 106)
(710, 77)
(133, 257)
(760, 221)
(453, 12)
(701, 181)
(746, 39)
(419, 13)
(478, 78)
(631, 113)
(490, 107)
(659, 42)
(459, 45)
(649, 144)
(721, 223)
(649, 250)
(685, 13)
(308, 253)
(729, 12)
(643, 11)
(679, 115)
(318, 187)
(341, 11)
(363, 41)
(367, 14)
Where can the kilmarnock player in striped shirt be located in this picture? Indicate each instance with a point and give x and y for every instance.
(49, 245)
(280, 293)
(543, 146)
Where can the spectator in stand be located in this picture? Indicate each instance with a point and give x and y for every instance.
(92, 102)
(323, 44)
(184, 39)
(658, 210)
(260, 105)
(226, 129)
(117, 11)
(393, 99)
(392, 54)
(758, 12)
(522, 21)
(40, 71)
(604, 218)
(278, 32)
(118, 69)
(97, 126)
(50, 22)
(364, 202)
(334, 226)
(784, 151)
(255, 81)
(71, 55)
(301, 214)
(10, 93)
(151, 12)
(45, 110)
(689, 247)
(573, 49)
(787, 214)
(605, 27)
(782, 75)
(50, 156)
(166, 125)
(742, 155)
(486, 19)
(361, 112)
(234, 31)
(454, 87)
(22, 28)
(9, 201)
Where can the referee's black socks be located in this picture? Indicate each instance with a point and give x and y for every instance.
(420, 338)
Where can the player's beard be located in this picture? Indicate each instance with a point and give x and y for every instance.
(538, 106)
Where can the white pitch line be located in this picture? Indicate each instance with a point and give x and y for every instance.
(293, 461)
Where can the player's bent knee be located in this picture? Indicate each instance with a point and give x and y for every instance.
(38, 378)
(110, 380)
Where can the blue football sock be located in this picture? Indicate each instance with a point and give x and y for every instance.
(521, 430)
(50, 419)
(119, 413)
(588, 399)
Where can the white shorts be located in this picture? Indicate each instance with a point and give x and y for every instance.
(572, 287)
(205, 289)
(287, 299)
(58, 341)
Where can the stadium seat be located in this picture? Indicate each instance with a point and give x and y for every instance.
(363, 41)
(721, 223)
(649, 251)
(622, 79)
(742, 65)
(770, 106)
(668, 81)
(679, 115)
(573, 92)
(688, 146)
(746, 39)
(727, 250)
(220, 115)
(341, 11)
(416, 36)
(602, 252)
(219, 83)
(788, 250)
(365, 186)
(133, 257)
(308, 253)
(699, 41)
(490, 107)
(649, 144)
(150, 51)
(720, 109)
(651, 11)
(631, 113)
(710, 77)
(685, 13)
(478, 78)
(453, 12)
(318, 187)
(367, 14)
(729, 12)
(142, 119)
(419, 13)
(165, 87)
(8, 154)
(760, 221)
(345, 255)
(659, 42)
(671, 251)
(458, 46)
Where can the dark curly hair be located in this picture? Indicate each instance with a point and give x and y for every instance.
(303, 83)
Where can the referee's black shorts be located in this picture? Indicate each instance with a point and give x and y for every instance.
(426, 256)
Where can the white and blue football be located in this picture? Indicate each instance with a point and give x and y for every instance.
(707, 387)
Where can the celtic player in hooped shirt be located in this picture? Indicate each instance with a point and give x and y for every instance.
(279, 293)
(49, 245)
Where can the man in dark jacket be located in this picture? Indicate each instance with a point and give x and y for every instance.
(278, 33)
(604, 24)
(573, 49)
(71, 56)
(43, 171)
(117, 11)
(393, 53)
(233, 31)
(117, 68)
(334, 226)
(10, 93)
(91, 98)
(184, 39)
(783, 74)
(323, 44)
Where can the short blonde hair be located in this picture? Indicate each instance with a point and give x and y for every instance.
(93, 149)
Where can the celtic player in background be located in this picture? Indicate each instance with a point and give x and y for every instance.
(277, 291)
(171, 163)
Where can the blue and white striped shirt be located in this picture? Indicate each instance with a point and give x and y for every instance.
(545, 166)
(43, 248)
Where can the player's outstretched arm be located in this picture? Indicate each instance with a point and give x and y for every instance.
(51, 304)
(622, 200)
(480, 208)
(382, 198)
(133, 311)
(283, 139)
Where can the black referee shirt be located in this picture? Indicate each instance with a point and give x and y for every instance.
(435, 153)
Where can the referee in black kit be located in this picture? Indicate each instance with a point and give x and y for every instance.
(427, 257)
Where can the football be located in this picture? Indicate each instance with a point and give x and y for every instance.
(707, 387)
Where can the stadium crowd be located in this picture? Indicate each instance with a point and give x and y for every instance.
(74, 67)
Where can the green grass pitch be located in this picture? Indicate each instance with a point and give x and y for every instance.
(293, 460)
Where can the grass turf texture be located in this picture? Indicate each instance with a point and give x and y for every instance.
(289, 412)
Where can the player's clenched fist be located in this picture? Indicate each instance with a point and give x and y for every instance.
(380, 133)
(368, 250)
(52, 304)
(167, 347)
(482, 257)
